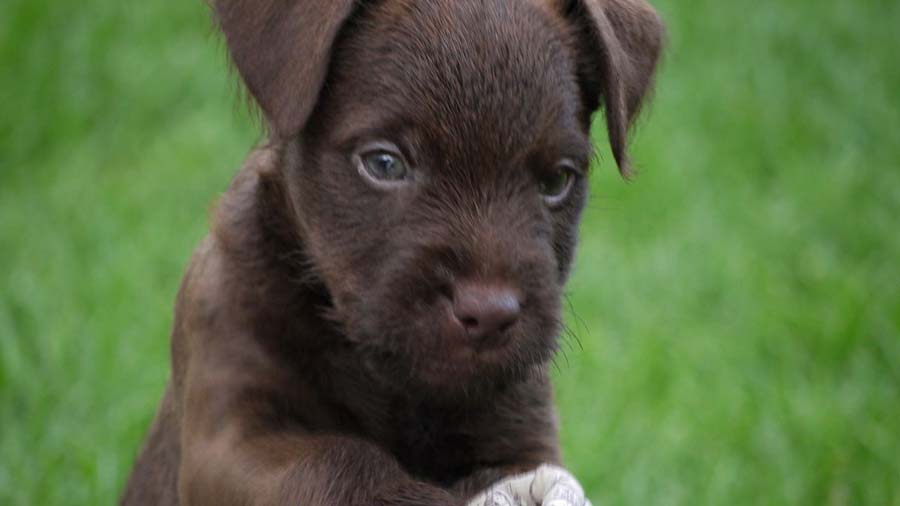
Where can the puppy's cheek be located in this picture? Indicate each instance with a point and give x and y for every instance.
(541, 335)
(407, 345)
(402, 298)
(344, 294)
(393, 319)
(542, 319)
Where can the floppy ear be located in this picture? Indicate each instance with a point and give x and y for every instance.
(282, 49)
(620, 42)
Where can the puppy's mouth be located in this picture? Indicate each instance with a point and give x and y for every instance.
(460, 371)
(433, 351)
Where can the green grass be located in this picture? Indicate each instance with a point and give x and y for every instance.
(738, 305)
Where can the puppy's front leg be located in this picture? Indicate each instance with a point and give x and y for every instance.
(238, 447)
(282, 468)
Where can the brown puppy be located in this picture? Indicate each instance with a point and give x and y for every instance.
(371, 317)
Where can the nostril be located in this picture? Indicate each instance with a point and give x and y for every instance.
(469, 322)
(485, 310)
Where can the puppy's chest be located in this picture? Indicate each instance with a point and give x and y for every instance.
(432, 445)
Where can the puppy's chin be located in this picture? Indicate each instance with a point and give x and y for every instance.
(474, 373)
(439, 378)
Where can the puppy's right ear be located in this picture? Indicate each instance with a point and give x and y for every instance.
(282, 49)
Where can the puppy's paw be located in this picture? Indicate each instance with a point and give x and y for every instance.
(513, 491)
(546, 486)
(554, 486)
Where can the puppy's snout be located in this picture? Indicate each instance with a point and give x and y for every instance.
(485, 310)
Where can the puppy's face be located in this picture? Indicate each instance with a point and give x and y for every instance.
(442, 177)
(438, 178)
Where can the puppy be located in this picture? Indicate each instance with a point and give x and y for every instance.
(370, 319)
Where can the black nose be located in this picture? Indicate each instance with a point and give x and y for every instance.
(485, 310)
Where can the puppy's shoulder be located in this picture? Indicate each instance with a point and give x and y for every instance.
(231, 259)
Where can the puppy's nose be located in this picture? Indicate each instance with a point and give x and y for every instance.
(485, 310)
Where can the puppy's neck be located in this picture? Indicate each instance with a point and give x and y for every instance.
(268, 272)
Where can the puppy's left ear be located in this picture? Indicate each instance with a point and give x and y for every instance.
(619, 46)
(282, 50)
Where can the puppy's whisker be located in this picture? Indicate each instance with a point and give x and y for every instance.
(578, 320)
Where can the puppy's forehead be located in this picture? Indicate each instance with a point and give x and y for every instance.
(495, 72)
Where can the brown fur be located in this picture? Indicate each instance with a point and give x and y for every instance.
(311, 361)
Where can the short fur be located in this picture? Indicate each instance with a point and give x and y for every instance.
(312, 362)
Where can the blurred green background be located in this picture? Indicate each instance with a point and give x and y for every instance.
(738, 305)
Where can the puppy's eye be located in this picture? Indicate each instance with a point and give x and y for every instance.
(383, 165)
(555, 186)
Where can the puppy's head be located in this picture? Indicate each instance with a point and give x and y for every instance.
(435, 155)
